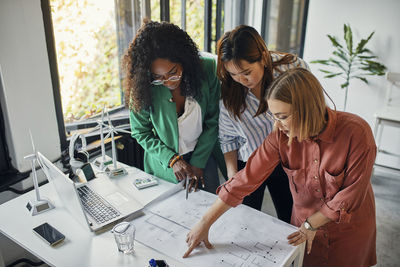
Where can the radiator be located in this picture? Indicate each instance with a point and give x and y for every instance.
(129, 151)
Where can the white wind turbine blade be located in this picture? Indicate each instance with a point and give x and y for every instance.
(110, 125)
(108, 117)
(113, 151)
(33, 166)
(126, 125)
(33, 144)
(107, 135)
(103, 149)
(95, 128)
(122, 131)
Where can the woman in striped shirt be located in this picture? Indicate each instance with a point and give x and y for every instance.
(246, 69)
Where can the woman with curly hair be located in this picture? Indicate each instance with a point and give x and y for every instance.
(246, 68)
(173, 96)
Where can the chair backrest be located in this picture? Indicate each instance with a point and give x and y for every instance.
(208, 55)
(393, 82)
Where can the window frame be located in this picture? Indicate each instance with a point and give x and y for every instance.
(63, 128)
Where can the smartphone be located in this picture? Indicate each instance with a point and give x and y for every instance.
(49, 234)
(88, 171)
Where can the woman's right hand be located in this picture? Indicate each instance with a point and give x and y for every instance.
(198, 234)
(182, 169)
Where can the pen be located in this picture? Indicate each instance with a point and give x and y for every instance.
(157, 263)
(187, 186)
(152, 263)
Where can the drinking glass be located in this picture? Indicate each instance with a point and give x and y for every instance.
(124, 234)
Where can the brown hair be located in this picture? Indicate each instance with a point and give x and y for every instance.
(299, 88)
(244, 43)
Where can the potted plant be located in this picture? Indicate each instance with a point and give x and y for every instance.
(351, 62)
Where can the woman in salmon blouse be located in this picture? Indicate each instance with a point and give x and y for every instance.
(328, 156)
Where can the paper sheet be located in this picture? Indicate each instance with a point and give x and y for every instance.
(241, 237)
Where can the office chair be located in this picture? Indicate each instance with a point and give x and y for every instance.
(208, 55)
(389, 115)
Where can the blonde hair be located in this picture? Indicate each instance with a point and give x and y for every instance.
(299, 88)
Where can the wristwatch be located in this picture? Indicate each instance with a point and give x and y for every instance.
(308, 226)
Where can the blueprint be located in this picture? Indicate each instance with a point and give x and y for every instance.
(241, 237)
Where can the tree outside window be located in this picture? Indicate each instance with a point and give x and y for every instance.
(87, 56)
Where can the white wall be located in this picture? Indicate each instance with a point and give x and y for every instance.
(26, 95)
(364, 16)
(27, 98)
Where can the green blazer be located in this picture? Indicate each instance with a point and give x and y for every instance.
(156, 129)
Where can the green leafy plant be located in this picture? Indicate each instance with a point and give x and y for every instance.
(352, 62)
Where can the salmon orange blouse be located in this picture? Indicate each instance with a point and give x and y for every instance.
(329, 173)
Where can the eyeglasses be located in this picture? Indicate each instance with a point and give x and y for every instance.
(272, 118)
(174, 78)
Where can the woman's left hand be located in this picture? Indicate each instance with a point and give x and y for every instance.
(302, 235)
(197, 177)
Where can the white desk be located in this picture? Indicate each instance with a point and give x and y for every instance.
(81, 247)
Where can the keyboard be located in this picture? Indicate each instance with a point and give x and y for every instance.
(99, 209)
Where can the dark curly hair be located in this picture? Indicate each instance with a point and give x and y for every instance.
(159, 40)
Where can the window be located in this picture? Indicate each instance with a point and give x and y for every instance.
(280, 22)
(193, 20)
(87, 56)
(283, 22)
(91, 36)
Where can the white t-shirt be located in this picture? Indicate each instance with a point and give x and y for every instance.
(190, 126)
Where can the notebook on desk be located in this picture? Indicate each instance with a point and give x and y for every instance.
(97, 204)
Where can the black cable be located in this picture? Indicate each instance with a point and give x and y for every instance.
(23, 260)
(21, 192)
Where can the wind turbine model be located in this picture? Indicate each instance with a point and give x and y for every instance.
(104, 162)
(38, 205)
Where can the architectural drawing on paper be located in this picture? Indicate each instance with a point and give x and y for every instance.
(188, 213)
(239, 241)
(258, 255)
(156, 222)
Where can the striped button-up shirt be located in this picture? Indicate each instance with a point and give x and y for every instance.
(247, 133)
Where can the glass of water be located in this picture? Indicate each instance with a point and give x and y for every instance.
(124, 234)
